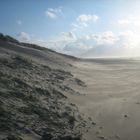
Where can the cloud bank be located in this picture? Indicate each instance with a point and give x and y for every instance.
(104, 44)
(123, 43)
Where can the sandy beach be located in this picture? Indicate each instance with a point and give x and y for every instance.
(111, 97)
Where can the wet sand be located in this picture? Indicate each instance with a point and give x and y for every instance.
(111, 97)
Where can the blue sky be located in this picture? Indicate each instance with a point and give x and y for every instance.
(75, 27)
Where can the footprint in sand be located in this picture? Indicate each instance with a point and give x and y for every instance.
(126, 116)
(102, 138)
(138, 103)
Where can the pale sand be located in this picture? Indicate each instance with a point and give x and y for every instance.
(111, 98)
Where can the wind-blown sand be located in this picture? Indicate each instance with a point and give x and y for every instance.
(105, 92)
(111, 97)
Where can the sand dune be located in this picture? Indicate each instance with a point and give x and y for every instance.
(34, 85)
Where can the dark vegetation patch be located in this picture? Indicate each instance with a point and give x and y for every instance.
(17, 61)
(80, 82)
(23, 61)
(8, 38)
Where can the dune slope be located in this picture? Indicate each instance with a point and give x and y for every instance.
(34, 84)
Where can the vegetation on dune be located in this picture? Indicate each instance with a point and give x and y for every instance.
(31, 101)
(8, 38)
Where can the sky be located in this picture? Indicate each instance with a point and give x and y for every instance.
(83, 28)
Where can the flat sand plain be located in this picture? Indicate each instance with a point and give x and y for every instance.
(111, 97)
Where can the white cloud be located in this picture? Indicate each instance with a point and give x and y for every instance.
(132, 21)
(129, 39)
(87, 18)
(51, 15)
(68, 35)
(107, 37)
(55, 10)
(54, 13)
(25, 37)
(75, 48)
(124, 22)
(84, 20)
(19, 22)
